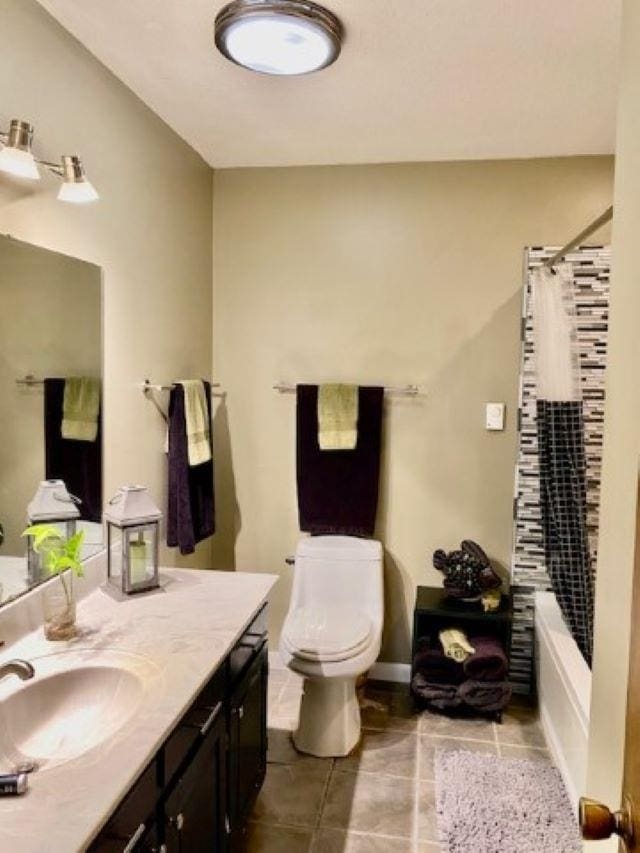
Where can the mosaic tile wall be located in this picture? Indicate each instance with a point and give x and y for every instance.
(591, 265)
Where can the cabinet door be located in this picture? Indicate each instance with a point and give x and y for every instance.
(247, 741)
(195, 811)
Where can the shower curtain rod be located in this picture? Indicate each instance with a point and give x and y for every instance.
(577, 240)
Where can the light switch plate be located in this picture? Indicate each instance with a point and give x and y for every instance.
(495, 416)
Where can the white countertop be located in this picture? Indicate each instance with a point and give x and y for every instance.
(183, 633)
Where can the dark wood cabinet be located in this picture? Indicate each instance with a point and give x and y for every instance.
(247, 744)
(196, 794)
(195, 810)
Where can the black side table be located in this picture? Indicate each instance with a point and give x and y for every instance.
(435, 611)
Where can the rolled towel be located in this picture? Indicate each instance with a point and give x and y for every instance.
(436, 667)
(455, 644)
(488, 662)
(485, 695)
(439, 695)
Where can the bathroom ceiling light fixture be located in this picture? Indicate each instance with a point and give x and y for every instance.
(16, 157)
(281, 37)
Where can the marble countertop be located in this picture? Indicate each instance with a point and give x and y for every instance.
(182, 633)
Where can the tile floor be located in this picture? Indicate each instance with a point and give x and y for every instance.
(381, 798)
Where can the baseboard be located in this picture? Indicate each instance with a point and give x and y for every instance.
(398, 672)
(381, 671)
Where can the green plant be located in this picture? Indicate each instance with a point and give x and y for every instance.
(58, 554)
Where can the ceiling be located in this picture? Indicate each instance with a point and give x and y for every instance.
(417, 80)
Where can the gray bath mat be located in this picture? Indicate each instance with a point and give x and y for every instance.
(488, 804)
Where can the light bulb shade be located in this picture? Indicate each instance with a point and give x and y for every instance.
(278, 36)
(78, 193)
(16, 157)
(75, 189)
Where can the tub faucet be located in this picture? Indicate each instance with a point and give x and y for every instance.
(21, 668)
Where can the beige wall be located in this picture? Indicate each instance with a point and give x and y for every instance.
(381, 274)
(151, 231)
(39, 292)
(622, 444)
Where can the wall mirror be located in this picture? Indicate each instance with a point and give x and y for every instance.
(50, 417)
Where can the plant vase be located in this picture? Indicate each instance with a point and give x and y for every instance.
(59, 605)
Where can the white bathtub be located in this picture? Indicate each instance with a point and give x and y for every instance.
(564, 693)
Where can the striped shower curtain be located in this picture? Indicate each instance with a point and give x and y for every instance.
(561, 449)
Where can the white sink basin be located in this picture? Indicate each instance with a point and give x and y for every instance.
(75, 702)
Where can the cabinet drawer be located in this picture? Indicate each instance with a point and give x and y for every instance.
(193, 725)
(123, 831)
(248, 646)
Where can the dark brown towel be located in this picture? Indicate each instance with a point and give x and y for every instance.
(190, 511)
(441, 696)
(485, 695)
(78, 463)
(436, 667)
(338, 489)
(489, 662)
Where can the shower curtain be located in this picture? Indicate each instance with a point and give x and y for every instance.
(561, 448)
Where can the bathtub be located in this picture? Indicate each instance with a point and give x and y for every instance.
(564, 692)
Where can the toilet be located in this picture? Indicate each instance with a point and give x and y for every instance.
(331, 635)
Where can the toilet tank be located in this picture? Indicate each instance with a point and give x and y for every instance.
(339, 570)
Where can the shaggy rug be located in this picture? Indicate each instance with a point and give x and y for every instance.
(488, 804)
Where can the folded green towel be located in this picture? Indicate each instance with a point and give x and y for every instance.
(196, 414)
(80, 408)
(337, 417)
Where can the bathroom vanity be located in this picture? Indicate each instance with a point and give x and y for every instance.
(165, 694)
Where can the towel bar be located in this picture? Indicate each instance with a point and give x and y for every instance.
(400, 390)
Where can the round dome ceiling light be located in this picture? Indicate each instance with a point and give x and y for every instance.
(278, 36)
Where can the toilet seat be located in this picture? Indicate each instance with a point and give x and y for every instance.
(326, 634)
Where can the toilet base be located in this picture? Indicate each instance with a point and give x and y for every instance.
(329, 724)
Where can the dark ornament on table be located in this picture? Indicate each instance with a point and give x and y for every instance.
(468, 574)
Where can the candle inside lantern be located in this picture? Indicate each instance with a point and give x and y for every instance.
(138, 560)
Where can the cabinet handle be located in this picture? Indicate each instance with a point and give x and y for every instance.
(210, 719)
(241, 712)
(137, 835)
(227, 827)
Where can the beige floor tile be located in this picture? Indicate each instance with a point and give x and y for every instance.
(430, 847)
(521, 727)
(478, 728)
(339, 841)
(486, 747)
(529, 752)
(282, 751)
(370, 803)
(427, 814)
(292, 794)
(263, 838)
(383, 751)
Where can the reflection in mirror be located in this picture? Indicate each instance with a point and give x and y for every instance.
(50, 388)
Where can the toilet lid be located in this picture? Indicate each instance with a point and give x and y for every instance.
(326, 633)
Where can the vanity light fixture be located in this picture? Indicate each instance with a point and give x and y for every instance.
(282, 37)
(75, 186)
(17, 158)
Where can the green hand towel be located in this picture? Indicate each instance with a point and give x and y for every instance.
(337, 417)
(80, 408)
(196, 415)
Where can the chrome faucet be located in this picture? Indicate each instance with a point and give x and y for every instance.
(21, 668)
